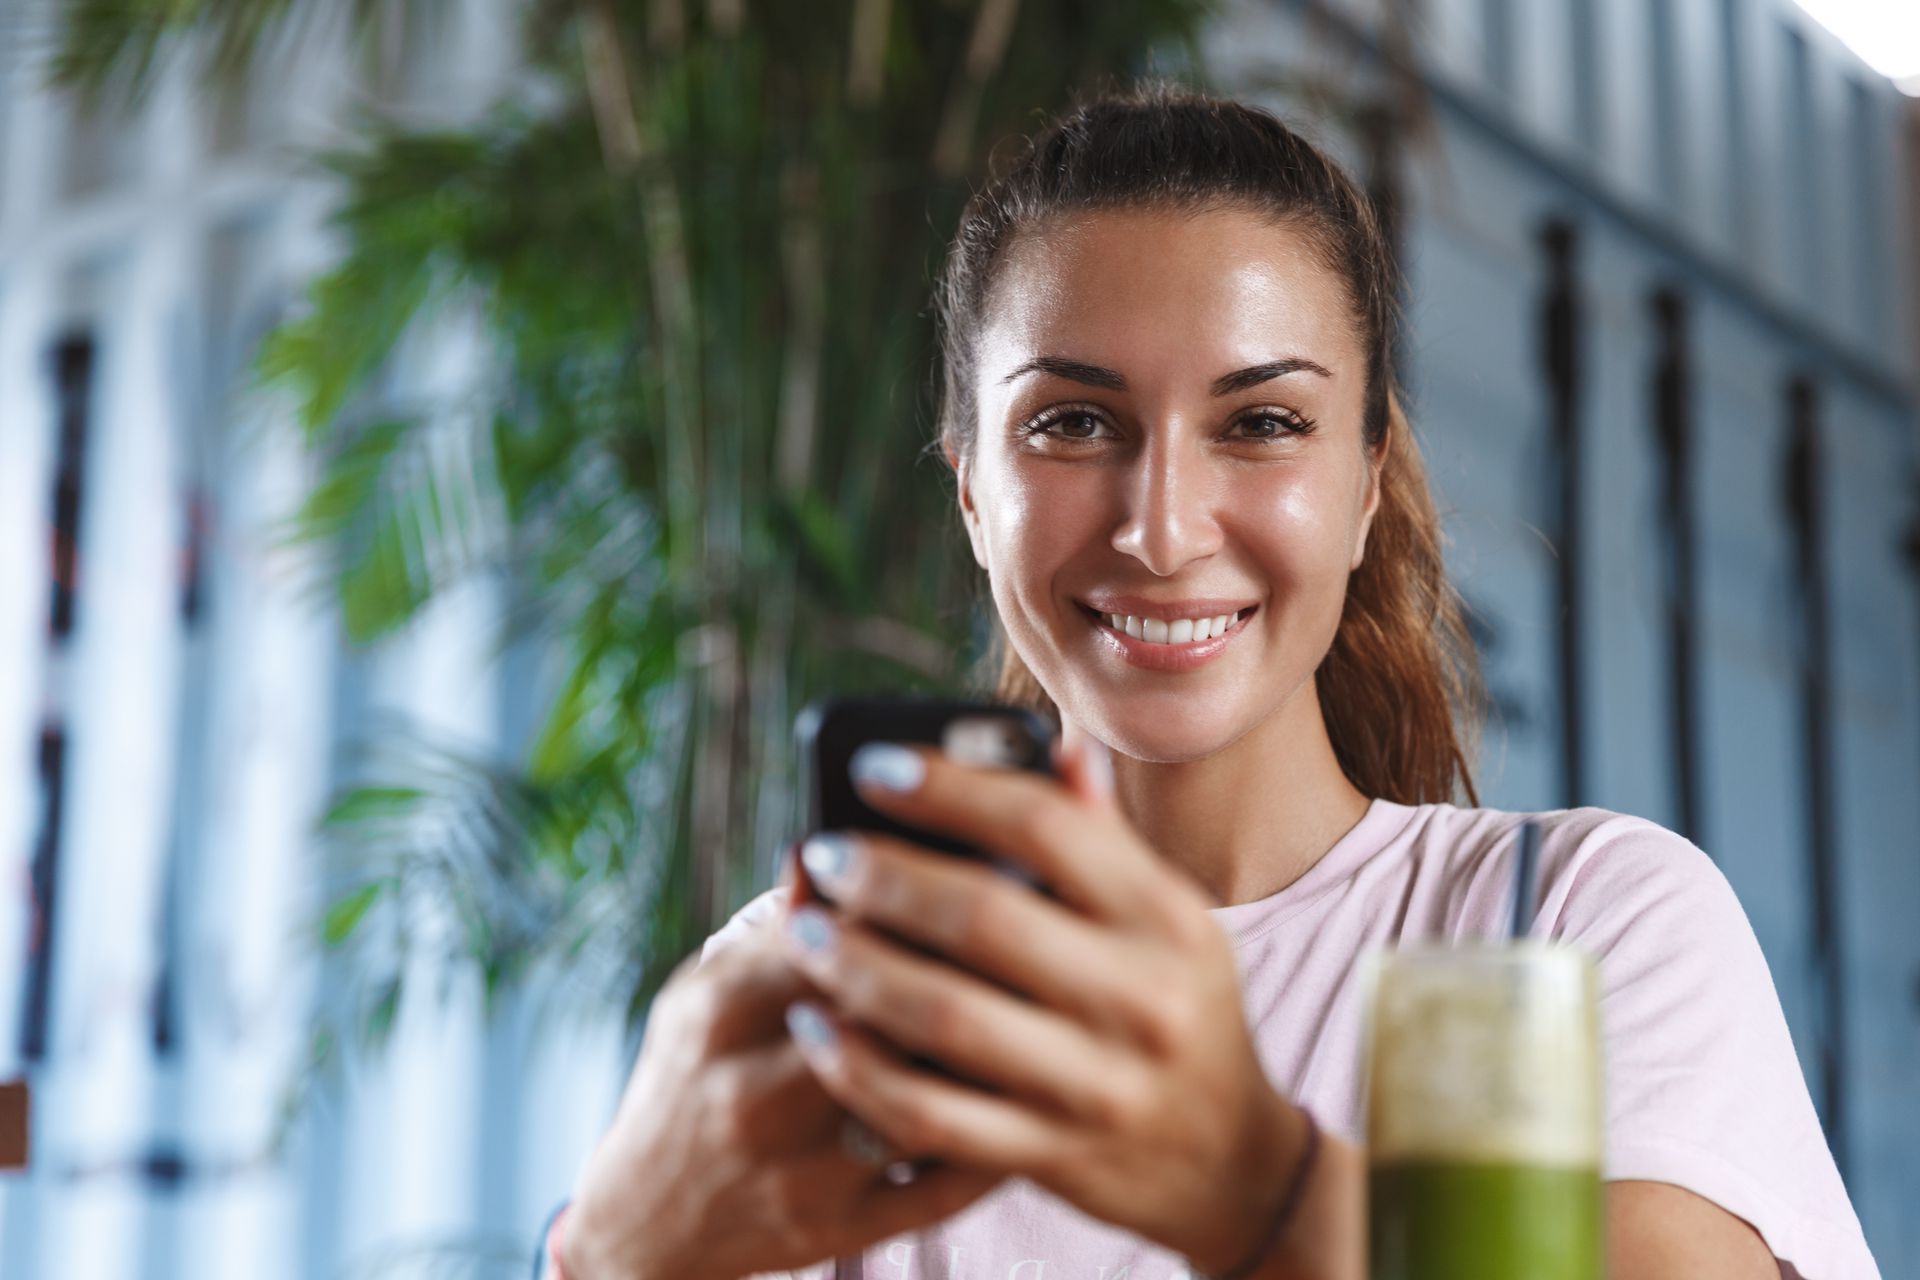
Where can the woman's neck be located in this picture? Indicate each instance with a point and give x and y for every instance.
(1249, 820)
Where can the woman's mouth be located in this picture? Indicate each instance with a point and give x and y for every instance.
(1167, 644)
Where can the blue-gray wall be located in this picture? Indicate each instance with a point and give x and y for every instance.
(1732, 152)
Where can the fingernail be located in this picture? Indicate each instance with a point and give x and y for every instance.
(886, 765)
(810, 928)
(809, 1027)
(828, 858)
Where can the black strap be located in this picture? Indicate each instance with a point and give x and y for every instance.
(847, 1268)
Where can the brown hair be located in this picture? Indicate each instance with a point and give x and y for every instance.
(1401, 673)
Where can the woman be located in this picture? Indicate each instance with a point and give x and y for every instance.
(1180, 461)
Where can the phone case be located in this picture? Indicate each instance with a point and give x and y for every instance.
(831, 730)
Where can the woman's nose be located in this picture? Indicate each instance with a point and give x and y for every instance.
(1169, 517)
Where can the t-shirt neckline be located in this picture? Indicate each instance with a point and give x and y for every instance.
(1383, 820)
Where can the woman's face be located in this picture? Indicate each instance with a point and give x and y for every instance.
(1170, 429)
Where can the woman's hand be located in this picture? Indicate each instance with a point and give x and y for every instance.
(1105, 1052)
(725, 1156)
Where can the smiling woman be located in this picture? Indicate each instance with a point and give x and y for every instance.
(1181, 462)
(1267, 362)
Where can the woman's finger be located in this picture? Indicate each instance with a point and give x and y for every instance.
(858, 1140)
(856, 1204)
(1083, 851)
(921, 1114)
(938, 1191)
(734, 997)
(984, 921)
(1084, 765)
(929, 1007)
(773, 1101)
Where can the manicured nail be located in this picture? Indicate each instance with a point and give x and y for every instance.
(810, 928)
(888, 766)
(810, 1028)
(828, 858)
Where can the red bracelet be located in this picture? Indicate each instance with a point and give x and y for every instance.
(556, 1234)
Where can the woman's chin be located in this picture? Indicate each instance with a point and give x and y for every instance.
(1160, 738)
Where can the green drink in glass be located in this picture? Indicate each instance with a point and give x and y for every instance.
(1484, 1108)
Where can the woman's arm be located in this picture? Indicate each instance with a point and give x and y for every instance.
(1328, 1238)
(1657, 1231)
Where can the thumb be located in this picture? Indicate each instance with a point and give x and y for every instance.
(1085, 765)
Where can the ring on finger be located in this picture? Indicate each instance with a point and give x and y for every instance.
(860, 1142)
(869, 1148)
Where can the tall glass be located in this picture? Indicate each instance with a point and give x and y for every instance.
(1484, 1106)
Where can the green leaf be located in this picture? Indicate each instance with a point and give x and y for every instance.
(351, 482)
(380, 1015)
(385, 586)
(827, 543)
(357, 313)
(367, 804)
(122, 44)
(345, 915)
(434, 519)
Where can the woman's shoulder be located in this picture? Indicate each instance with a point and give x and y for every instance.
(1573, 840)
(1592, 861)
(1578, 833)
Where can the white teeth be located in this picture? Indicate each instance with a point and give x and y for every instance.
(1180, 631)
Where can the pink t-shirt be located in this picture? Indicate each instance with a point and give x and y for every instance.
(1704, 1089)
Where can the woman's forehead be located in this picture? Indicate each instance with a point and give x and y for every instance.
(1167, 289)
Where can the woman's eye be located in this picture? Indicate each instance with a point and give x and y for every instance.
(1086, 425)
(1273, 425)
(1069, 424)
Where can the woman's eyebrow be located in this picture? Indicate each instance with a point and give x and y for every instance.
(1075, 370)
(1254, 375)
(1094, 375)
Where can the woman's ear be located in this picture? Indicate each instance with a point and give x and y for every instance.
(1376, 464)
(969, 515)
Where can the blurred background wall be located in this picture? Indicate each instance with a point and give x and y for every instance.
(179, 704)
(1662, 353)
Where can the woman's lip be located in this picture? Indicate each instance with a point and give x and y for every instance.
(1165, 657)
(1167, 610)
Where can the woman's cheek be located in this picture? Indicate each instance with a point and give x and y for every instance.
(1049, 511)
(1020, 497)
(1301, 527)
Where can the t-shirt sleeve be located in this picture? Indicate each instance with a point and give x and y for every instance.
(1704, 1089)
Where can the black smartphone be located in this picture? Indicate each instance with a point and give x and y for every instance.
(977, 733)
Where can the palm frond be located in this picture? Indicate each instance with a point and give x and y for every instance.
(697, 456)
(114, 48)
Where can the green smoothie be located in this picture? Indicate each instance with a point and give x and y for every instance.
(1472, 1220)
